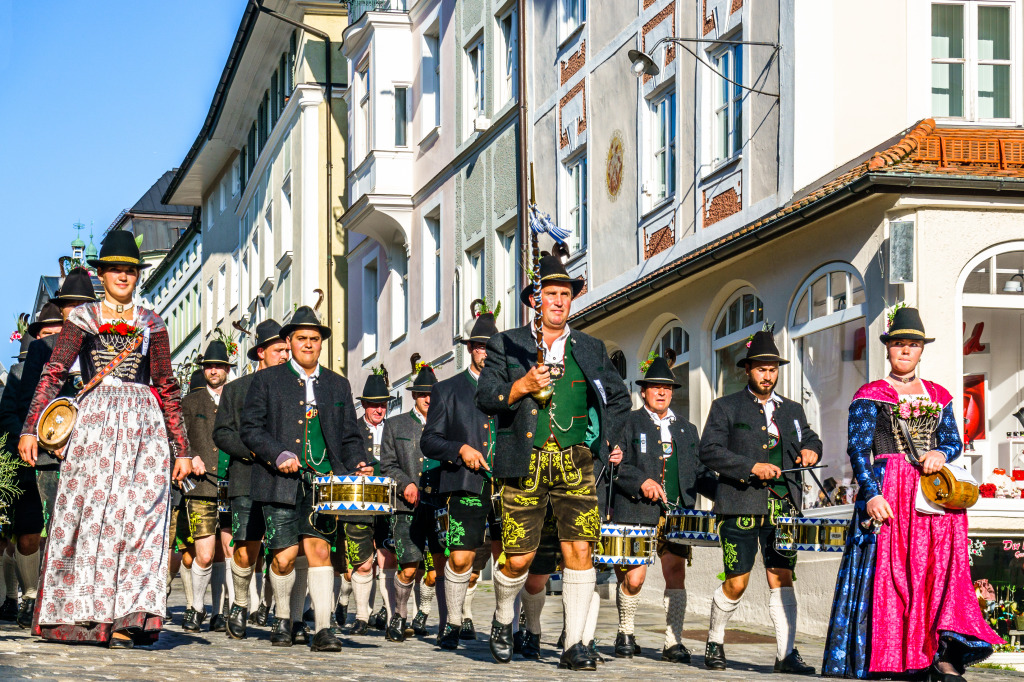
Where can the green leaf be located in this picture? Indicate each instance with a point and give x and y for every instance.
(138, 240)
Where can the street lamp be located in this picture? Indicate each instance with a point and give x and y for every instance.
(643, 64)
(1011, 286)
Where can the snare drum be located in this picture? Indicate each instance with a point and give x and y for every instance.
(353, 495)
(811, 535)
(626, 545)
(223, 503)
(690, 527)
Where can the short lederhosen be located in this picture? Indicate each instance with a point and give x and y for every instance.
(565, 478)
(26, 510)
(202, 517)
(673, 548)
(549, 552)
(287, 523)
(469, 517)
(363, 539)
(415, 534)
(741, 536)
(247, 522)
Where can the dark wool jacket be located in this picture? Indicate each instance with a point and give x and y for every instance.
(629, 505)
(400, 456)
(736, 438)
(200, 412)
(510, 355)
(454, 420)
(274, 421)
(39, 352)
(228, 437)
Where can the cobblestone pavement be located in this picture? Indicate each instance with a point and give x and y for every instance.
(212, 656)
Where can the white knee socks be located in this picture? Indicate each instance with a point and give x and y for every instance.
(721, 611)
(255, 578)
(283, 585)
(386, 578)
(577, 592)
(362, 585)
(533, 606)
(321, 593)
(675, 612)
(229, 584)
(782, 608)
(28, 572)
(456, 586)
(344, 591)
(218, 578)
(186, 583)
(200, 581)
(591, 627)
(402, 592)
(425, 598)
(467, 603)
(505, 592)
(242, 580)
(298, 601)
(626, 605)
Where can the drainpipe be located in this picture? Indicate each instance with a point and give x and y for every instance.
(330, 120)
(524, 159)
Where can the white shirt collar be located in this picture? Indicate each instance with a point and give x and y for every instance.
(422, 418)
(475, 375)
(309, 379)
(377, 431)
(773, 398)
(662, 423)
(556, 353)
(214, 396)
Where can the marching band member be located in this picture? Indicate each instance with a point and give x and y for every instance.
(247, 523)
(659, 466)
(299, 421)
(749, 437)
(547, 451)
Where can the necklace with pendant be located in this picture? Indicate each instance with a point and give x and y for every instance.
(909, 380)
(117, 307)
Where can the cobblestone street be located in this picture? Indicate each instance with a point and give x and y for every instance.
(181, 656)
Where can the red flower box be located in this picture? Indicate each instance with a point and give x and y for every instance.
(987, 489)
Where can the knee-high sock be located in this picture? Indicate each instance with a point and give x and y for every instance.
(505, 592)
(11, 575)
(440, 597)
(373, 589)
(255, 578)
(386, 578)
(28, 573)
(467, 603)
(229, 584)
(517, 611)
(456, 586)
(782, 608)
(200, 581)
(533, 606)
(241, 578)
(675, 613)
(283, 585)
(298, 603)
(218, 579)
(577, 588)
(591, 627)
(424, 598)
(344, 592)
(721, 611)
(626, 606)
(321, 593)
(362, 586)
(186, 584)
(402, 593)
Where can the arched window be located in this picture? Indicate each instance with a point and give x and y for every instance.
(741, 316)
(829, 357)
(619, 363)
(673, 342)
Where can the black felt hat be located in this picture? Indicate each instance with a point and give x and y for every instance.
(552, 271)
(762, 348)
(375, 390)
(196, 381)
(483, 329)
(49, 315)
(77, 288)
(659, 373)
(119, 248)
(906, 324)
(267, 332)
(216, 354)
(425, 378)
(26, 341)
(305, 317)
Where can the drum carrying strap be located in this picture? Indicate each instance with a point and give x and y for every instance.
(110, 367)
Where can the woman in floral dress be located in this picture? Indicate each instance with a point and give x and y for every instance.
(904, 601)
(105, 570)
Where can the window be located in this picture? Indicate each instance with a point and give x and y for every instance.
(283, 90)
(971, 60)
(370, 308)
(431, 74)
(673, 344)
(742, 316)
(293, 49)
(244, 277)
(476, 278)
(401, 116)
(508, 56)
(224, 193)
(222, 280)
(998, 275)
(275, 107)
(508, 278)
(268, 250)
(236, 174)
(663, 147)
(574, 13)
(210, 200)
(286, 216)
(399, 295)
(829, 291)
(364, 110)
(253, 152)
(476, 83)
(431, 266)
(728, 102)
(234, 280)
(209, 304)
(618, 359)
(576, 202)
(284, 289)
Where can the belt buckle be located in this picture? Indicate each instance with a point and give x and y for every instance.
(550, 445)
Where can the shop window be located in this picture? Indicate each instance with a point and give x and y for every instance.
(673, 344)
(1001, 274)
(997, 569)
(742, 315)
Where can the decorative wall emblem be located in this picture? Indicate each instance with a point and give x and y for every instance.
(614, 166)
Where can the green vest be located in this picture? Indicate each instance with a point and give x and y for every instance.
(775, 457)
(566, 413)
(223, 462)
(314, 447)
(672, 474)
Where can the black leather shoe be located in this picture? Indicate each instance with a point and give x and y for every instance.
(359, 628)
(335, 628)
(793, 664)
(561, 640)
(26, 611)
(467, 632)
(261, 616)
(531, 645)
(501, 642)
(192, 620)
(379, 620)
(677, 653)
(218, 623)
(282, 633)
(448, 637)
(237, 618)
(121, 643)
(594, 653)
(714, 656)
(300, 634)
(419, 624)
(577, 657)
(308, 616)
(624, 645)
(936, 675)
(517, 640)
(325, 640)
(396, 629)
(9, 610)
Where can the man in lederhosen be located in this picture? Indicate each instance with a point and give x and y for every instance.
(10, 427)
(750, 436)
(365, 535)
(413, 528)
(247, 524)
(299, 421)
(199, 409)
(546, 451)
(461, 436)
(660, 466)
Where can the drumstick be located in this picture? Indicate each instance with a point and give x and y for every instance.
(789, 471)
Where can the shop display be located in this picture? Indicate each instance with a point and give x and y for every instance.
(997, 568)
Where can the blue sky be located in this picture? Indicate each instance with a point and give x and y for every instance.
(97, 100)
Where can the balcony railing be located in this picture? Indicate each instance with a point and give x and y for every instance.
(357, 8)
